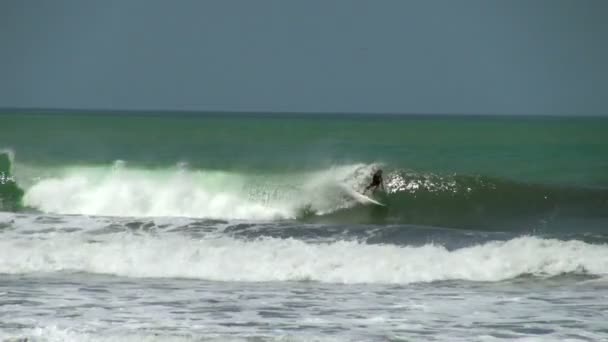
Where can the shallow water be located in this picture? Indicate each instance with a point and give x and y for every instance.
(78, 278)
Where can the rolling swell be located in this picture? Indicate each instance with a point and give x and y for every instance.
(458, 201)
(479, 202)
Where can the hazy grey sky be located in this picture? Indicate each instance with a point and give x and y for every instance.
(466, 56)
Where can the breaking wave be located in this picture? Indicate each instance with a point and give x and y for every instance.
(463, 201)
(271, 259)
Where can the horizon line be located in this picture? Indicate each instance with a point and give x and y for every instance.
(194, 112)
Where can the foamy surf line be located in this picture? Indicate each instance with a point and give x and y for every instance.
(272, 259)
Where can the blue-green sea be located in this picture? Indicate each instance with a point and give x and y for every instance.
(243, 226)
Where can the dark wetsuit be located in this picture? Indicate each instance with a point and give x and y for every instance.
(376, 181)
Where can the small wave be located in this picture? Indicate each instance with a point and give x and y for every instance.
(273, 259)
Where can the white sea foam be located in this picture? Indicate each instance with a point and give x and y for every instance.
(271, 259)
(123, 191)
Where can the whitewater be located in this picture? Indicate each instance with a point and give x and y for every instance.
(175, 278)
(219, 255)
(118, 190)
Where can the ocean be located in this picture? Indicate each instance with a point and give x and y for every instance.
(242, 227)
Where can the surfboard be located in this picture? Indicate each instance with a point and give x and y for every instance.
(361, 198)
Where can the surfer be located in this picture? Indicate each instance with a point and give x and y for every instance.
(376, 183)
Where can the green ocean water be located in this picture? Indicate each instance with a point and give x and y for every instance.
(570, 151)
(463, 171)
(222, 226)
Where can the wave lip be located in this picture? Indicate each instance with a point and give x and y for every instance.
(271, 259)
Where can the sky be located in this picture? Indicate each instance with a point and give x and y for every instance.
(417, 56)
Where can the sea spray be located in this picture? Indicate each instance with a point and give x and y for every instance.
(122, 191)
